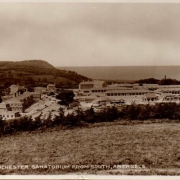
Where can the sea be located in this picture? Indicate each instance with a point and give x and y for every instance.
(127, 73)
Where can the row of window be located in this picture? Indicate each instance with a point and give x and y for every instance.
(172, 99)
(125, 94)
(36, 95)
(7, 115)
(150, 99)
(86, 91)
(15, 109)
(172, 92)
(15, 105)
(94, 91)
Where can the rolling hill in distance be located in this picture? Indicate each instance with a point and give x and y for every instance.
(36, 73)
(127, 72)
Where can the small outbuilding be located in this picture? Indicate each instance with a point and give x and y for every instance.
(150, 97)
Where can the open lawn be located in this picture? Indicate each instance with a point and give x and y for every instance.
(156, 146)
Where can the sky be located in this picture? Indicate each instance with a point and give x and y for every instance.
(91, 34)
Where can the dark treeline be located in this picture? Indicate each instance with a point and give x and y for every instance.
(80, 118)
(167, 81)
(164, 81)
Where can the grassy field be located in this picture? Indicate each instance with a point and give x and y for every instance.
(156, 146)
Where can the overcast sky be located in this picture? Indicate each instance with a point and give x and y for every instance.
(91, 34)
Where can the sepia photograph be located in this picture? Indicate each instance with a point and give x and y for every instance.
(90, 88)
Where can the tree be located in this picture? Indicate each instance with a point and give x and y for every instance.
(30, 81)
(65, 97)
(90, 115)
(21, 91)
(148, 81)
(2, 125)
(51, 94)
(44, 79)
(30, 89)
(168, 82)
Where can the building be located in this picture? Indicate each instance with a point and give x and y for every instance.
(13, 88)
(15, 104)
(41, 90)
(169, 91)
(151, 87)
(51, 87)
(74, 104)
(3, 106)
(128, 96)
(16, 90)
(124, 85)
(171, 98)
(150, 97)
(7, 115)
(131, 93)
(91, 84)
(21, 102)
(169, 86)
(36, 96)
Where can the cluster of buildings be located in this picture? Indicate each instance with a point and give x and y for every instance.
(146, 93)
(19, 99)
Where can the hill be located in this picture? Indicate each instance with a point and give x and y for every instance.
(25, 64)
(36, 72)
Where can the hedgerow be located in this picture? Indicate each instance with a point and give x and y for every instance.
(79, 117)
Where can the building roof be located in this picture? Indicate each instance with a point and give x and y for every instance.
(169, 86)
(111, 88)
(151, 95)
(151, 85)
(13, 85)
(17, 86)
(168, 89)
(128, 91)
(39, 88)
(169, 96)
(121, 85)
(12, 100)
(51, 85)
(125, 84)
(8, 112)
(21, 97)
(92, 82)
(31, 93)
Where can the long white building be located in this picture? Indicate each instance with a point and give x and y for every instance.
(145, 93)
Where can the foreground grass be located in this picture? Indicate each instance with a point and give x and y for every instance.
(155, 145)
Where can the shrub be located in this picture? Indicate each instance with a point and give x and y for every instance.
(144, 112)
(131, 112)
(48, 121)
(25, 124)
(72, 120)
(2, 125)
(37, 122)
(90, 115)
(79, 117)
(65, 97)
